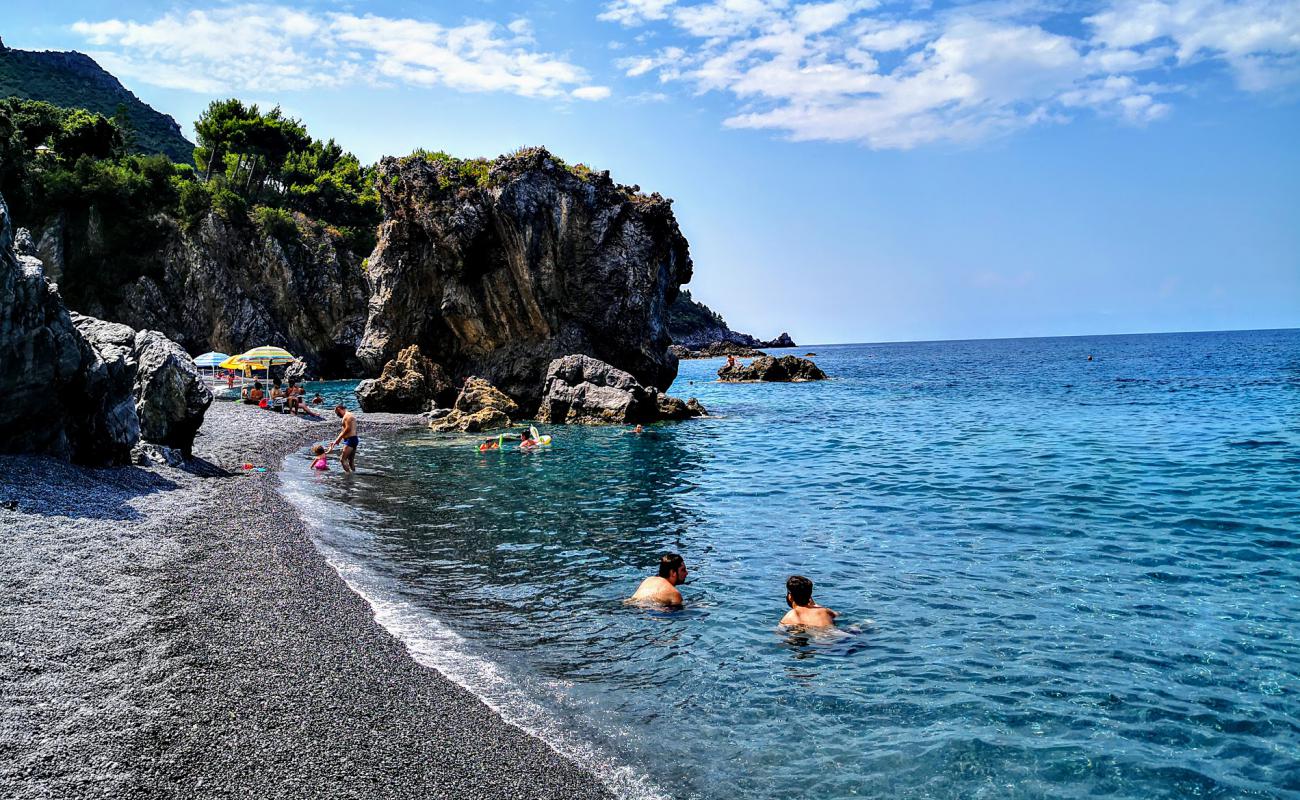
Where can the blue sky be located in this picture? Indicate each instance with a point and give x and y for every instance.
(846, 170)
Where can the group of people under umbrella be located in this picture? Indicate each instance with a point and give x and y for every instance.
(244, 364)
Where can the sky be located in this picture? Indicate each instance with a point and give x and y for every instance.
(845, 170)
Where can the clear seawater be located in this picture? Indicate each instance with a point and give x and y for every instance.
(1057, 578)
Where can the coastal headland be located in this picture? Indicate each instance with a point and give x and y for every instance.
(172, 632)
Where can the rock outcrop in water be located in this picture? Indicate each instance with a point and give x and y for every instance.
(499, 276)
(695, 326)
(583, 390)
(480, 406)
(409, 384)
(770, 369)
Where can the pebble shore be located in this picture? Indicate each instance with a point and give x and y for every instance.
(172, 632)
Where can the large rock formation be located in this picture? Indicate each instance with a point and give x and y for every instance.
(498, 276)
(480, 406)
(409, 384)
(47, 407)
(227, 286)
(769, 369)
(584, 390)
(84, 389)
(166, 396)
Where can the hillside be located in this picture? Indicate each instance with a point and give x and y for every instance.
(74, 80)
(694, 325)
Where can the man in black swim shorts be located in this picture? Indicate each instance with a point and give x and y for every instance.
(348, 436)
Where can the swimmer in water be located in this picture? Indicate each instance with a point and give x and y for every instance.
(526, 440)
(319, 461)
(803, 611)
(662, 588)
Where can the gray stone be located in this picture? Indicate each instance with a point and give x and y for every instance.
(584, 390)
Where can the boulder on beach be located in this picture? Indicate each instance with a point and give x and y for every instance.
(165, 396)
(480, 406)
(772, 369)
(409, 384)
(583, 390)
(171, 396)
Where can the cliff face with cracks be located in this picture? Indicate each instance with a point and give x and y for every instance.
(534, 260)
(221, 286)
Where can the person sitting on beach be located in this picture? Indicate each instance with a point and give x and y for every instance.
(662, 588)
(293, 398)
(318, 458)
(254, 396)
(348, 436)
(803, 611)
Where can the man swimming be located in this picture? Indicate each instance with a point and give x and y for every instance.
(803, 611)
(348, 436)
(662, 588)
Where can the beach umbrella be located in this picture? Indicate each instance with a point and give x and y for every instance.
(267, 357)
(210, 359)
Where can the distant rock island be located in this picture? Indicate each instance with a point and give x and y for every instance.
(75, 80)
(700, 332)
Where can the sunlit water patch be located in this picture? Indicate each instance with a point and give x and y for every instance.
(1057, 577)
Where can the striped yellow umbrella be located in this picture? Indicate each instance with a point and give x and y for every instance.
(267, 357)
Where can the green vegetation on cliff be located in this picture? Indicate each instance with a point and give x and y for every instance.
(687, 315)
(74, 80)
(71, 168)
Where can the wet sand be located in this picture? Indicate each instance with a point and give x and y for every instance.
(172, 632)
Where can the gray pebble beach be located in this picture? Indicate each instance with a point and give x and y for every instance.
(172, 632)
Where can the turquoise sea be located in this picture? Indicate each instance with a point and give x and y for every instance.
(1057, 577)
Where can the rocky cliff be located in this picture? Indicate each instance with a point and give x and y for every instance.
(87, 390)
(495, 271)
(221, 285)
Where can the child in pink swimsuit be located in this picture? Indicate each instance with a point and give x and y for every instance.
(318, 452)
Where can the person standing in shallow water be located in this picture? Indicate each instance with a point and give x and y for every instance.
(348, 436)
(662, 588)
(803, 611)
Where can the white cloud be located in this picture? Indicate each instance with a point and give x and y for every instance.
(635, 12)
(1258, 39)
(899, 76)
(273, 48)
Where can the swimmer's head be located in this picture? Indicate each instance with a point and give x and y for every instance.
(798, 590)
(639, 429)
(526, 434)
(672, 568)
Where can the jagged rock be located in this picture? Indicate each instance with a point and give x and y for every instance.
(584, 390)
(539, 260)
(681, 353)
(410, 383)
(717, 349)
(166, 396)
(675, 409)
(770, 369)
(171, 396)
(148, 454)
(783, 340)
(480, 406)
(296, 372)
(59, 396)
